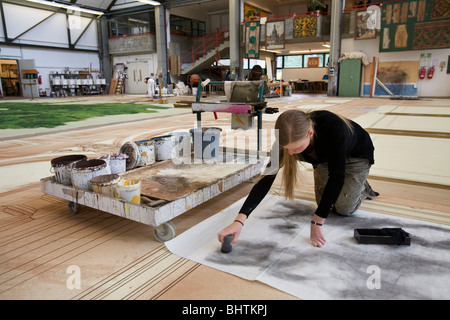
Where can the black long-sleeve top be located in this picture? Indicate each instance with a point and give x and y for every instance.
(333, 143)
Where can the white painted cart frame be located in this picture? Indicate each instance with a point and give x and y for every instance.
(158, 217)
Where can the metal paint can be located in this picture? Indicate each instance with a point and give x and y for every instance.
(140, 153)
(164, 147)
(61, 167)
(116, 162)
(130, 190)
(106, 184)
(83, 171)
(146, 153)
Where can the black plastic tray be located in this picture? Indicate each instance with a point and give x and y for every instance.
(377, 236)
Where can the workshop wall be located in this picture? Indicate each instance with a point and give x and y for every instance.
(43, 27)
(52, 60)
(435, 87)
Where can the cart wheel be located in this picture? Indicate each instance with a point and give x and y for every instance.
(165, 232)
(73, 206)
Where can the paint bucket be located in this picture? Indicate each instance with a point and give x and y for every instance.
(132, 151)
(164, 147)
(117, 162)
(83, 171)
(106, 184)
(61, 167)
(206, 142)
(140, 153)
(147, 153)
(130, 190)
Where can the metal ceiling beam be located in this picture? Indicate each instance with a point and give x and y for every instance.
(47, 8)
(110, 6)
(5, 29)
(83, 32)
(31, 28)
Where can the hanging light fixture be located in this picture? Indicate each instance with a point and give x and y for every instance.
(151, 2)
(65, 6)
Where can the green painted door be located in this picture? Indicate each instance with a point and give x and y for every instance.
(349, 78)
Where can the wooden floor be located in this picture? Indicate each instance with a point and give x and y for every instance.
(48, 253)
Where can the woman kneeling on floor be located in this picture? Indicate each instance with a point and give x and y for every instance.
(341, 153)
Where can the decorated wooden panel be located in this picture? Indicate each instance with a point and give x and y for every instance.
(415, 25)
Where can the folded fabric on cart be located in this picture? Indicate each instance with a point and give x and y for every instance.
(274, 248)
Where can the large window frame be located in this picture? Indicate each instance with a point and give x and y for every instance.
(187, 27)
(297, 61)
(144, 22)
(248, 64)
(132, 24)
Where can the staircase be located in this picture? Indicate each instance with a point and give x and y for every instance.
(202, 54)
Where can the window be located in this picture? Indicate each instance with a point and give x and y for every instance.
(132, 24)
(254, 62)
(187, 27)
(223, 62)
(279, 61)
(250, 63)
(327, 57)
(299, 61)
(279, 74)
(293, 61)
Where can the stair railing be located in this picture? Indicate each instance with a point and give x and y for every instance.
(207, 43)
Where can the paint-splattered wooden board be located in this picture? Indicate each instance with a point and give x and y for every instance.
(168, 181)
(222, 107)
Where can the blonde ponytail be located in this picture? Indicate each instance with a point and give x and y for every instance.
(292, 125)
(290, 174)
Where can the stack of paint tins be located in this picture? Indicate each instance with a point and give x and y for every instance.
(173, 146)
(95, 174)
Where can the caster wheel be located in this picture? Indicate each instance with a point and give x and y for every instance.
(165, 232)
(73, 206)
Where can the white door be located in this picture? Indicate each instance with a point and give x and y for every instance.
(137, 72)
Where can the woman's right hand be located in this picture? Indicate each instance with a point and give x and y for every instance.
(234, 229)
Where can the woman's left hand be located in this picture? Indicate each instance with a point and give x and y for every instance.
(317, 238)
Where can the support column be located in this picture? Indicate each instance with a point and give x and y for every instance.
(105, 59)
(235, 24)
(161, 41)
(335, 49)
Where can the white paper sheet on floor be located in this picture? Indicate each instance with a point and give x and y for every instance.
(274, 248)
